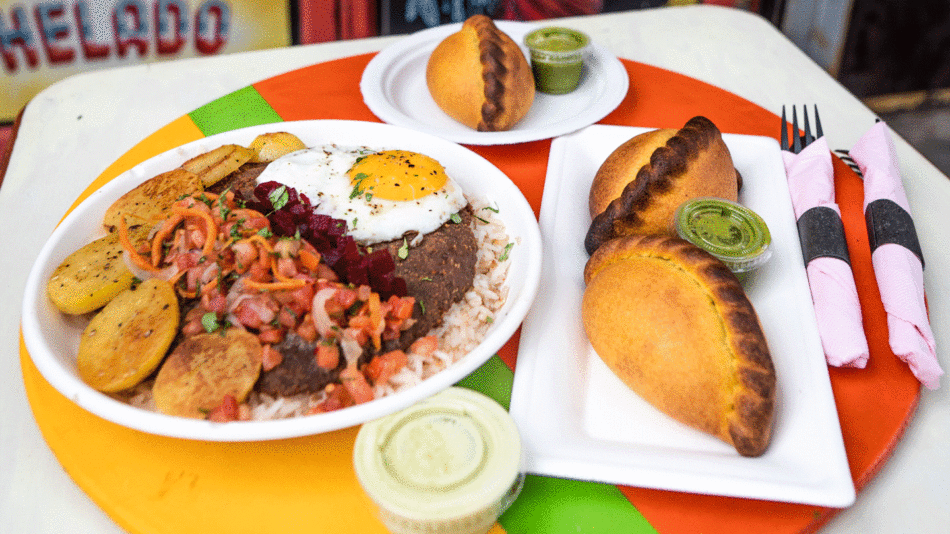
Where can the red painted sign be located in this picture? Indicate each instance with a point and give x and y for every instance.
(44, 41)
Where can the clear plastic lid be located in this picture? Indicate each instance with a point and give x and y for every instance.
(450, 463)
(557, 41)
(731, 232)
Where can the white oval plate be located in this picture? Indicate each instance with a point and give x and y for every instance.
(52, 338)
(394, 88)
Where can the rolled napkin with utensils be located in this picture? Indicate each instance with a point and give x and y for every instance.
(825, 251)
(896, 255)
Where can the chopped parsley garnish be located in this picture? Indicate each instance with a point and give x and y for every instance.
(504, 254)
(279, 197)
(456, 218)
(209, 322)
(224, 210)
(404, 249)
(358, 185)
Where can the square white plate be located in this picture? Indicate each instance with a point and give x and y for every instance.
(579, 421)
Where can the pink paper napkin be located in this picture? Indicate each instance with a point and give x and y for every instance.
(898, 270)
(837, 308)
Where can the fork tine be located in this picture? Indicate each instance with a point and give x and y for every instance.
(807, 138)
(784, 130)
(818, 132)
(796, 139)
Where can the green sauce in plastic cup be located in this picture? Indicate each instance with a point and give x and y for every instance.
(731, 232)
(557, 58)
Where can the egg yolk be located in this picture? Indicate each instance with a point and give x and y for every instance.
(396, 175)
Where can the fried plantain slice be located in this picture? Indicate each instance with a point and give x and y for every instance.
(269, 146)
(148, 203)
(203, 369)
(214, 165)
(127, 340)
(90, 277)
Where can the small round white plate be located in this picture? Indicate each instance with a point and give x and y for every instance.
(52, 338)
(394, 88)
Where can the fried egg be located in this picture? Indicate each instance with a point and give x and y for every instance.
(381, 195)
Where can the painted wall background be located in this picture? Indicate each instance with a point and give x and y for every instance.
(42, 42)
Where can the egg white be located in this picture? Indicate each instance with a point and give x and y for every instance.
(320, 173)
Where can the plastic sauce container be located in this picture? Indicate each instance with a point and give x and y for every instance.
(731, 232)
(557, 58)
(448, 464)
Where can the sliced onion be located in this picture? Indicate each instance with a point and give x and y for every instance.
(165, 274)
(321, 320)
(265, 314)
(351, 348)
(234, 322)
(210, 273)
(236, 294)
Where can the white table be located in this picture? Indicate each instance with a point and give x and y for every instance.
(72, 131)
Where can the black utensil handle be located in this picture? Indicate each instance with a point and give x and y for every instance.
(821, 233)
(887, 222)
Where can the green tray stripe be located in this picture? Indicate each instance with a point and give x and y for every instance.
(493, 378)
(562, 506)
(553, 505)
(240, 109)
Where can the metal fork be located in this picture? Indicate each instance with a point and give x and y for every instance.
(800, 141)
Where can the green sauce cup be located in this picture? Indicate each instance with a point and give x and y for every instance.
(557, 58)
(733, 233)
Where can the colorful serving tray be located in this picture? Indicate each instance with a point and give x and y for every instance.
(154, 485)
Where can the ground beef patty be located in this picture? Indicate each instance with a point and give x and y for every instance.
(242, 181)
(298, 372)
(438, 272)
